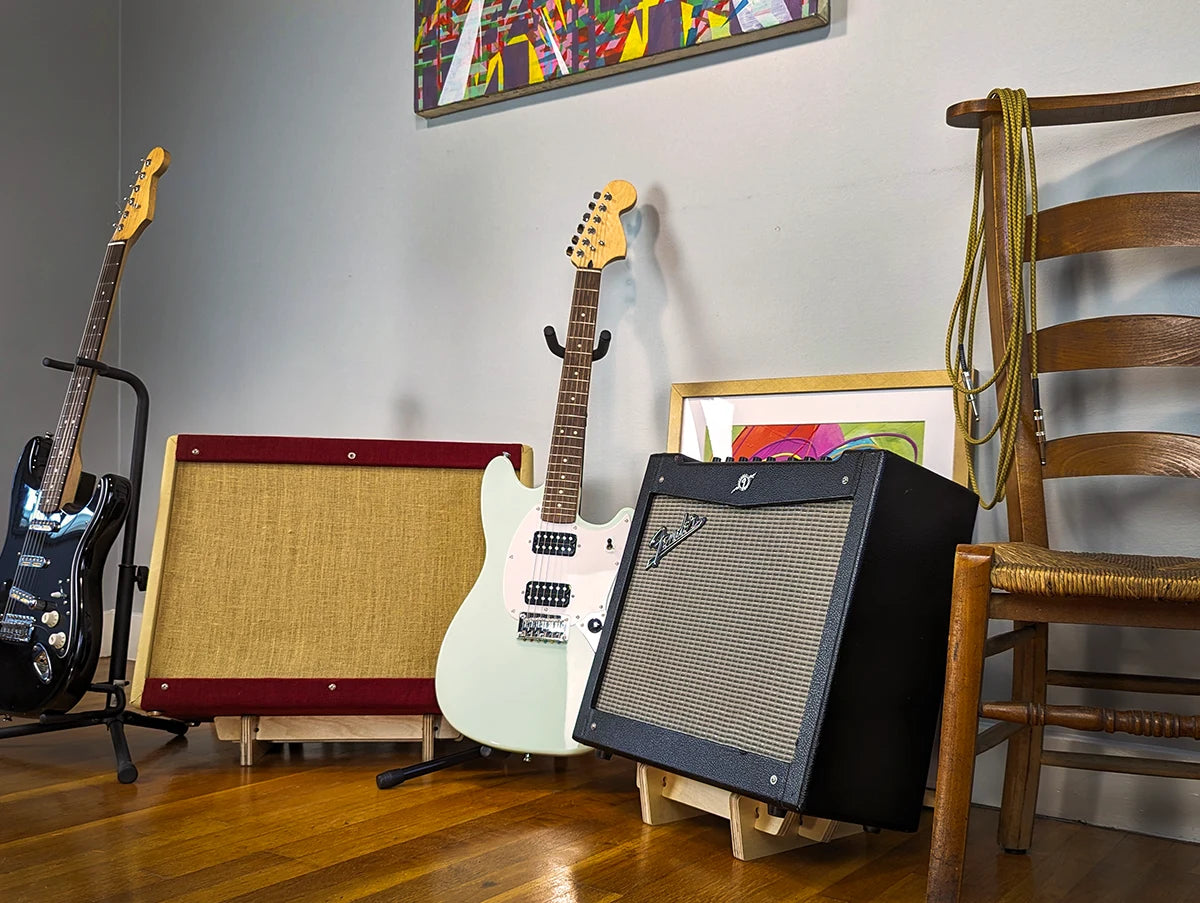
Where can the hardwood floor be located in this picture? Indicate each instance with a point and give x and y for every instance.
(308, 824)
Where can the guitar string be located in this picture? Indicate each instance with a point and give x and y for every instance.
(583, 354)
(567, 445)
(542, 567)
(78, 390)
(35, 540)
(569, 448)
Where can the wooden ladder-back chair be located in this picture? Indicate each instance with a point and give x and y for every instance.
(1025, 581)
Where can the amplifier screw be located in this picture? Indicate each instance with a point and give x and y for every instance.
(195, 451)
(351, 455)
(661, 479)
(592, 726)
(163, 687)
(333, 686)
(774, 779)
(845, 480)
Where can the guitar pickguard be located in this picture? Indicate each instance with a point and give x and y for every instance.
(558, 576)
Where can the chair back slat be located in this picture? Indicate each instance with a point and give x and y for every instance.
(1151, 219)
(1123, 454)
(1127, 340)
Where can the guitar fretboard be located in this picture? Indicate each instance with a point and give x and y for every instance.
(564, 469)
(79, 390)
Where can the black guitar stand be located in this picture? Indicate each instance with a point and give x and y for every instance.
(114, 715)
(396, 776)
(558, 350)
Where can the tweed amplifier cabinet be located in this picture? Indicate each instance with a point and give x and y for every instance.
(295, 576)
(779, 630)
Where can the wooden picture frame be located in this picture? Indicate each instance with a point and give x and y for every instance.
(856, 400)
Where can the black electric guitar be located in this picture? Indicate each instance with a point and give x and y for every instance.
(62, 521)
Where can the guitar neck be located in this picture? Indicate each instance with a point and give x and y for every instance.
(564, 469)
(79, 390)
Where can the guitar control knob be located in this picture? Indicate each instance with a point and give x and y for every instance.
(57, 640)
(595, 625)
(50, 618)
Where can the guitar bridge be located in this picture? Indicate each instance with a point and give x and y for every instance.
(540, 628)
(16, 628)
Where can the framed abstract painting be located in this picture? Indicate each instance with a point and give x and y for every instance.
(472, 52)
(909, 413)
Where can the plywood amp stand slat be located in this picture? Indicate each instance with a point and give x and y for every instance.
(753, 832)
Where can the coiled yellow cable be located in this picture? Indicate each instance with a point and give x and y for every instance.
(960, 336)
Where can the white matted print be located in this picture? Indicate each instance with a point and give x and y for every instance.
(911, 414)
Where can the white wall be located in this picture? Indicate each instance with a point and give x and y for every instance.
(326, 263)
(58, 194)
(59, 191)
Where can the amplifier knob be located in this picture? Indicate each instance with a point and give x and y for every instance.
(57, 640)
(50, 618)
(595, 625)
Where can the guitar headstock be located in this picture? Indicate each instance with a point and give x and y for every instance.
(600, 238)
(139, 206)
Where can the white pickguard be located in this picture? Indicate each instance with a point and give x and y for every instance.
(516, 694)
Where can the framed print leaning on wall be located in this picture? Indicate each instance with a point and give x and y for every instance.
(909, 413)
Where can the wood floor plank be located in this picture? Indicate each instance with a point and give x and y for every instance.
(308, 825)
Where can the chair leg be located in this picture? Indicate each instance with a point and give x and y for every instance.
(1023, 767)
(960, 721)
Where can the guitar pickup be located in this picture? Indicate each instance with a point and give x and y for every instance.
(32, 561)
(542, 628)
(553, 595)
(37, 525)
(16, 594)
(16, 628)
(552, 542)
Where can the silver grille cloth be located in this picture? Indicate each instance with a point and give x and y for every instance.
(719, 641)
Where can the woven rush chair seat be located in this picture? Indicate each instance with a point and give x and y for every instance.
(1020, 567)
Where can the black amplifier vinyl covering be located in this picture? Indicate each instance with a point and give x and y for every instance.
(780, 629)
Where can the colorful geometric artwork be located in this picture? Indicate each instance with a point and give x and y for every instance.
(824, 440)
(469, 52)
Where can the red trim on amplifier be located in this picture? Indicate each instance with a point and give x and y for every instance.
(365, 452)
(202, 698)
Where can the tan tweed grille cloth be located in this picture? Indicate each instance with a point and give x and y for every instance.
(1020, 567)
(290, 570)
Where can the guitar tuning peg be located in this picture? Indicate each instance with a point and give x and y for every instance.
(579, 228)
(596, 195)
(570, 252)
(574, 239)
